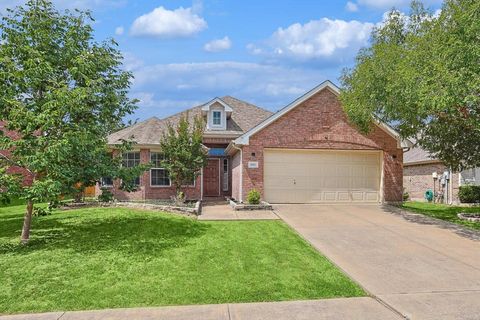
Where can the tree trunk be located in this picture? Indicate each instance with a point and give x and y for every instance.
(27, 221)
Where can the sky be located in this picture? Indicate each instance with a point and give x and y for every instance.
(185, 53)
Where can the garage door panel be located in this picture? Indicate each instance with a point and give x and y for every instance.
(297, 176)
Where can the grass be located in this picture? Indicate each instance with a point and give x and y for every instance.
(443, 212)
(118, 257)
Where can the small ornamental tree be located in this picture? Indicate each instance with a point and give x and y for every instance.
(183, 152)
(61, 93)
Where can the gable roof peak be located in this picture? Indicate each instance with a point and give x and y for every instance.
(207, 105)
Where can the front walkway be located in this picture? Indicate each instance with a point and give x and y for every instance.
(327, 309)
(420, 270)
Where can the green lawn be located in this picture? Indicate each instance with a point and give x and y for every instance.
(444, 212)
(106, 258)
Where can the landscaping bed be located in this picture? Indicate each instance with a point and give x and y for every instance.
(472, 217)
(445, 212)
(246, 206)
(96, 258)
(187, 208)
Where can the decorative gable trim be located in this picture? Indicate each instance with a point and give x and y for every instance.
(206, 107)
(219, 107)
(245, 138)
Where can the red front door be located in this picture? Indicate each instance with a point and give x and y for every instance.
(211, 178)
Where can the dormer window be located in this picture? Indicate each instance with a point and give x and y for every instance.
(217, 118)
(216, 113)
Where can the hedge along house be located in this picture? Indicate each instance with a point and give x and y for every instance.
(307, 152)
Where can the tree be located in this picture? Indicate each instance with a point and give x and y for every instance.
(421, 74)
(62, 93)
(183, 152)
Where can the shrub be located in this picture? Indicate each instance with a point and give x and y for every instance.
(406, 195)
(106, 196)
(469, 194)
(253, 197)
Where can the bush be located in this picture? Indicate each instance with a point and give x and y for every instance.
(406, 195)
(106, 196)
(469, 194)
(253, 197)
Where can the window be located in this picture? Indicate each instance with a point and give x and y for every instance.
(106, 182)
(217, 118)
(158, 176)
(190, 183)
(225, 174)
(131, 160)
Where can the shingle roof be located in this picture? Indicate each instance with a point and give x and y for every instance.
(244, 117)
(416, 155)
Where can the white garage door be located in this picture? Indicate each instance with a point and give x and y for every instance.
(310, 176)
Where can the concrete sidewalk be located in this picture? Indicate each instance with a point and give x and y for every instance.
(326, 309)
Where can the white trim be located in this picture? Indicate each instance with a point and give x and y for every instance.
(245, 138)
(422, 162)
(140, 177)
(225, 174)
(191, 185)
(240, 189)
(382, 176)
(220, 118)
(220, 169)
(159, 186)
(206, 106)
(157, 168)
(105, 185)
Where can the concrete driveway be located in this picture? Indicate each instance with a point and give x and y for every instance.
(422, 271)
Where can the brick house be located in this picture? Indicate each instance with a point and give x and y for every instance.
(305, 152)
(418, 169)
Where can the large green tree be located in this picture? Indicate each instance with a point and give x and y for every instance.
(421, 74)
(62, 93)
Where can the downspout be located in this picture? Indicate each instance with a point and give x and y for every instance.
(241, 172)
(201, 184)
(451, 187)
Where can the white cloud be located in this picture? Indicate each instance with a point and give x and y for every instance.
(119, 30)
(164, 23)
(351, 6)
(131, 62)
(317, 39)
(388, 4)
(218, 45)
(165, 89)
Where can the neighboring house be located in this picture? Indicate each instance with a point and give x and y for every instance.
(306, 152)
(418, 169)
(27, 177)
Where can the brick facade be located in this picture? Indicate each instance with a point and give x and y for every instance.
(146, 191)
(320, 123)
(417, 179)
